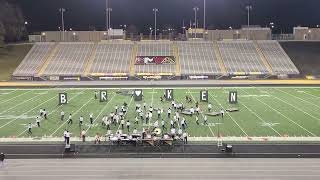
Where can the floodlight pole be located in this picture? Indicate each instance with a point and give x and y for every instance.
(204, 14)
(107, 14)
(195, 20)
(62, 10)
(249, 7)
(155, 10)
(109, 21)
(183, 27)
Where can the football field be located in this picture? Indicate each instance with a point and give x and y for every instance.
(263, 111)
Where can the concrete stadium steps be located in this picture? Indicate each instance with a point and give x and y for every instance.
(155, 48)
(263, 57)
(277, 58)
(69, 59)
(90, 60)
(35, 59)
(241, 57)
(219, 58)
(198, 58)
(177, 58)
(133, 59)
(48, 59)
(112, 57)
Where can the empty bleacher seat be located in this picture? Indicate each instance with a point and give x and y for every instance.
(241, 56)
(277, 58)
(35, 58)
(198, 58)
(155, 48)
(112, 57)
(69, 59)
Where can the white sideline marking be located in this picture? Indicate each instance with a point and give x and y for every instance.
(72, 115)
(201, 113)
(284, 116)
(229, 115)
(51, 112)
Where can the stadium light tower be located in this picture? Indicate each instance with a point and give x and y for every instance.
(107, 15)
(196, 9)
(155, 10)
(204, 14)
(109, 10)
(248, 8)
(62, 10)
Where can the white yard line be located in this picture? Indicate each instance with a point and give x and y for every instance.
(27, 112)
(229, 115)
(149, 123)
(16, 96)
(103, 109)
(127, 112)
(52, 111)
(283, 115)
(72, 115)
(11, 91)
(299, 98)
(259, 118)
(295, 107)
(310, 94)
(24, 101)
(201, 112)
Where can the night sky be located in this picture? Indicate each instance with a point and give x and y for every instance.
(44, 15)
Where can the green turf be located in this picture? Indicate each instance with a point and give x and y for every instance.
(264, 111)
(10, 58)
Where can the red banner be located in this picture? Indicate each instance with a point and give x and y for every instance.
(156, 60)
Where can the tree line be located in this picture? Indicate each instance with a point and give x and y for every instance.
(12, 23)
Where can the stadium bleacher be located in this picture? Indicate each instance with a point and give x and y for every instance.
(33, 61)
(155, 48)
(69, 59)
(190, 58)
(112, 57)
(277, 58)
(198, 58)
(241, 57)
